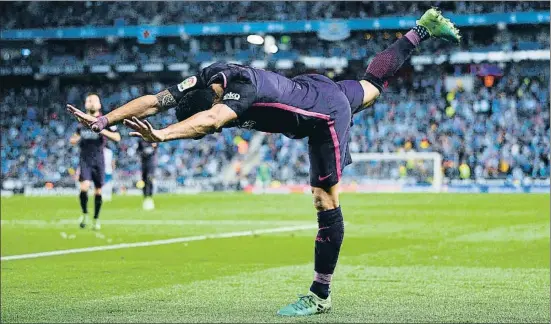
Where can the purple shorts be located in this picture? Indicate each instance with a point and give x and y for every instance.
(328, 142)
(94, 172)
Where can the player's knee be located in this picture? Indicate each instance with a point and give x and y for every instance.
(372, 91)
(97, 191)
(84, 186)
(324, 199)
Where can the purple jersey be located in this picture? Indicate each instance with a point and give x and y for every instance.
(310, 105)
(91, 145)
(146, 150)
(269, 102)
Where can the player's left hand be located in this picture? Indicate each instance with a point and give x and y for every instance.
(144, 130)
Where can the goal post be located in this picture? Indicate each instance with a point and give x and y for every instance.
(394, 172)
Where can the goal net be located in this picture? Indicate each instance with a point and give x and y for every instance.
(394, 172)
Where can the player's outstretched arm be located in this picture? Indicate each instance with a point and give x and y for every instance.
(141, 107)
(198, 125)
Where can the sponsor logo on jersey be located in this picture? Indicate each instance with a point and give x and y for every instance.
(87, 134)
(187, 83)
(249, 124)
(232, 96)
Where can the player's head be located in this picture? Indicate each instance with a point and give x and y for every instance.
(195, 101)
(92, 103)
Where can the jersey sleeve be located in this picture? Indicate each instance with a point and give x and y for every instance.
(239, 96)
(178, 91)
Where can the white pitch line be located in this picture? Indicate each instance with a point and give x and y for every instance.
(40, 222)
(160, 242)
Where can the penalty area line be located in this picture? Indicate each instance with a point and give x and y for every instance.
(160, 242)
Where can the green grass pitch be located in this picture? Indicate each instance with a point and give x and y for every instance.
(405, 258)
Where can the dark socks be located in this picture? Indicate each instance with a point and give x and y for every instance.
(97, 205)
(84, 201)
(386, 63)
(328, 245)
(148, 188)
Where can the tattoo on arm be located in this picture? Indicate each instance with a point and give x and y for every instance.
(165, 99)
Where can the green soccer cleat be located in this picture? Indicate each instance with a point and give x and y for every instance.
(438, 26)
(307, 305)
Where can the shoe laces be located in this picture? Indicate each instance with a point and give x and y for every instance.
(304, 302)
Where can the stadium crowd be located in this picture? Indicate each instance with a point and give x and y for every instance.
(204, 49)
(498, 132)
(36, 131)
(495, 132)
(39, 14)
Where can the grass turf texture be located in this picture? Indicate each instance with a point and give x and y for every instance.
(405, 258)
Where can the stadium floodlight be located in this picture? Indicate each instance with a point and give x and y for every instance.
(270, 46)
(255, 39)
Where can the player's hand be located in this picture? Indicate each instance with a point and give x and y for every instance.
(144, 130)
(95, 124)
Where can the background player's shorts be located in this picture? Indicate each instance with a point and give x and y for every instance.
(148, 169)
(328, 144)
(92, 172)
(108, 177)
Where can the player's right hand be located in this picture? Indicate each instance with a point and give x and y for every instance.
(95, 124)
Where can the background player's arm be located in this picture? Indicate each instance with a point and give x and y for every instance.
(114, 136)
(200, 124)
(75, 138)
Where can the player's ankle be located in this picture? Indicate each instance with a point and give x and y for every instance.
(319, 289)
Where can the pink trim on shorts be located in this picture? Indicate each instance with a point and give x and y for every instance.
(330, 123)
(291, 109)
(337, 148)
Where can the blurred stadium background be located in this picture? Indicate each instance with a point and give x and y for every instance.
(472, 118)
(482, 105)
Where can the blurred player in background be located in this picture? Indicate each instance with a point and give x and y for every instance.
(229, 95)
(264, 176)
(109, 169)
(92, 159)
(148, 154)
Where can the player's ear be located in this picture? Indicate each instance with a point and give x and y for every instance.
(194, 102)
(218, 92)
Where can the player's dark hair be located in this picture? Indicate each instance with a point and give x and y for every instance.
(92, 94)
(195, 101)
